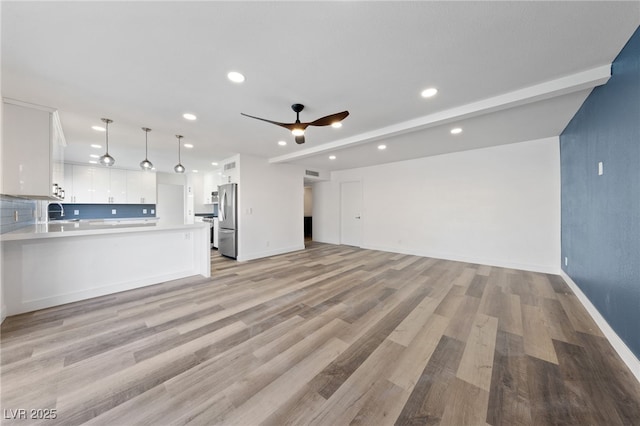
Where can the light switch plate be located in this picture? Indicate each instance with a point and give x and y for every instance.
(600, 168)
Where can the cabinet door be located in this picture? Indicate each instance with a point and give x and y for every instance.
(207, 188)
(134, 187)
(117, 186)
(57, 151)
(101, 190)
(148, 187)
(26, 151)
(69, 196)
(82, 184)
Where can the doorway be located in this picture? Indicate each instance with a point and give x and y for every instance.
(308, 214)
(350, 213)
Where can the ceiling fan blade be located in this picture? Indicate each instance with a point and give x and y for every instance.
(329, 119)
(300, 139)
(285, 125)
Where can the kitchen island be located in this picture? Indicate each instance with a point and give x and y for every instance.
(51, 264)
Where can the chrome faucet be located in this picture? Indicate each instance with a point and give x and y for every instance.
(61, 209)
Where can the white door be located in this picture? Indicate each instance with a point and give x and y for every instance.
(350, 213)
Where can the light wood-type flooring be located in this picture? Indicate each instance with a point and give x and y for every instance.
(332, 335)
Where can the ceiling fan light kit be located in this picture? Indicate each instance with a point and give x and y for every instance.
(298, 128)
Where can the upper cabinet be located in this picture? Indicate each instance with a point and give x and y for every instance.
(33, 151)
(210, 184)
(141, 187)
(101, 185)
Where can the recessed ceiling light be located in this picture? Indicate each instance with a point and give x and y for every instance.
(93, 162)
(235, 76)
(381, 147)
(98, 128)
(456, 131)
(188, 145)
(332, 157)
(336, 125)
(194, 171)
(282, 143)
(430, 92)
(214, 164)
(96, 146)
(189, 116)
(94, 156)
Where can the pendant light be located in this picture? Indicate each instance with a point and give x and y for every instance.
(106, 159)
(146, 164)
(179, 168)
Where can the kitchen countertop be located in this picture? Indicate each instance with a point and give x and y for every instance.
(58, 229)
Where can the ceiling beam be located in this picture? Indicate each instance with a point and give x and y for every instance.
(549, 89)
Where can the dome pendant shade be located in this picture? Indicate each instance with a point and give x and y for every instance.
(106, 159)
(146, 164)
(179, 168)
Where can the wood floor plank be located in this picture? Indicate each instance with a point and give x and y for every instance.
(328, 335)
(476, 365)
(537, 339)
(428, 400)
(509, 395)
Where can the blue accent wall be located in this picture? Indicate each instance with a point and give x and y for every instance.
(601, 214)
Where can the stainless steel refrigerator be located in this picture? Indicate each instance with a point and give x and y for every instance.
(228, 220)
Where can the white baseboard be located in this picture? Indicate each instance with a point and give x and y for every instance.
(61, 299)
(269, 253)
(618, 345)
(547, 269)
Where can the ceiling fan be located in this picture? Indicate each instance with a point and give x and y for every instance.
(298, 128)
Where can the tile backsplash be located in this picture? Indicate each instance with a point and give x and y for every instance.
(100, 211)
(16, 213)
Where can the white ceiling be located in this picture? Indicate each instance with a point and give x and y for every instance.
(506, 72)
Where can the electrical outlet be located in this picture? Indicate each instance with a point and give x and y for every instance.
(144, 211)
(153, 211)
(113, 211)
(15, 215)
(566, 261)
(600, 168)
(76, 212)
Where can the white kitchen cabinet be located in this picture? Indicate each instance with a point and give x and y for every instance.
(100, 185)
(82, 190)
(141, 187)
(117, 186)
(32, 152)
(149, 188)
(210, 184)
(68, 183)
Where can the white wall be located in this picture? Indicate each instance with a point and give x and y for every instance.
(270, 208)
(308, 201)
(497, 206)
(167, 198)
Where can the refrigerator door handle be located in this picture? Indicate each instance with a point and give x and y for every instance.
(223, 204)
